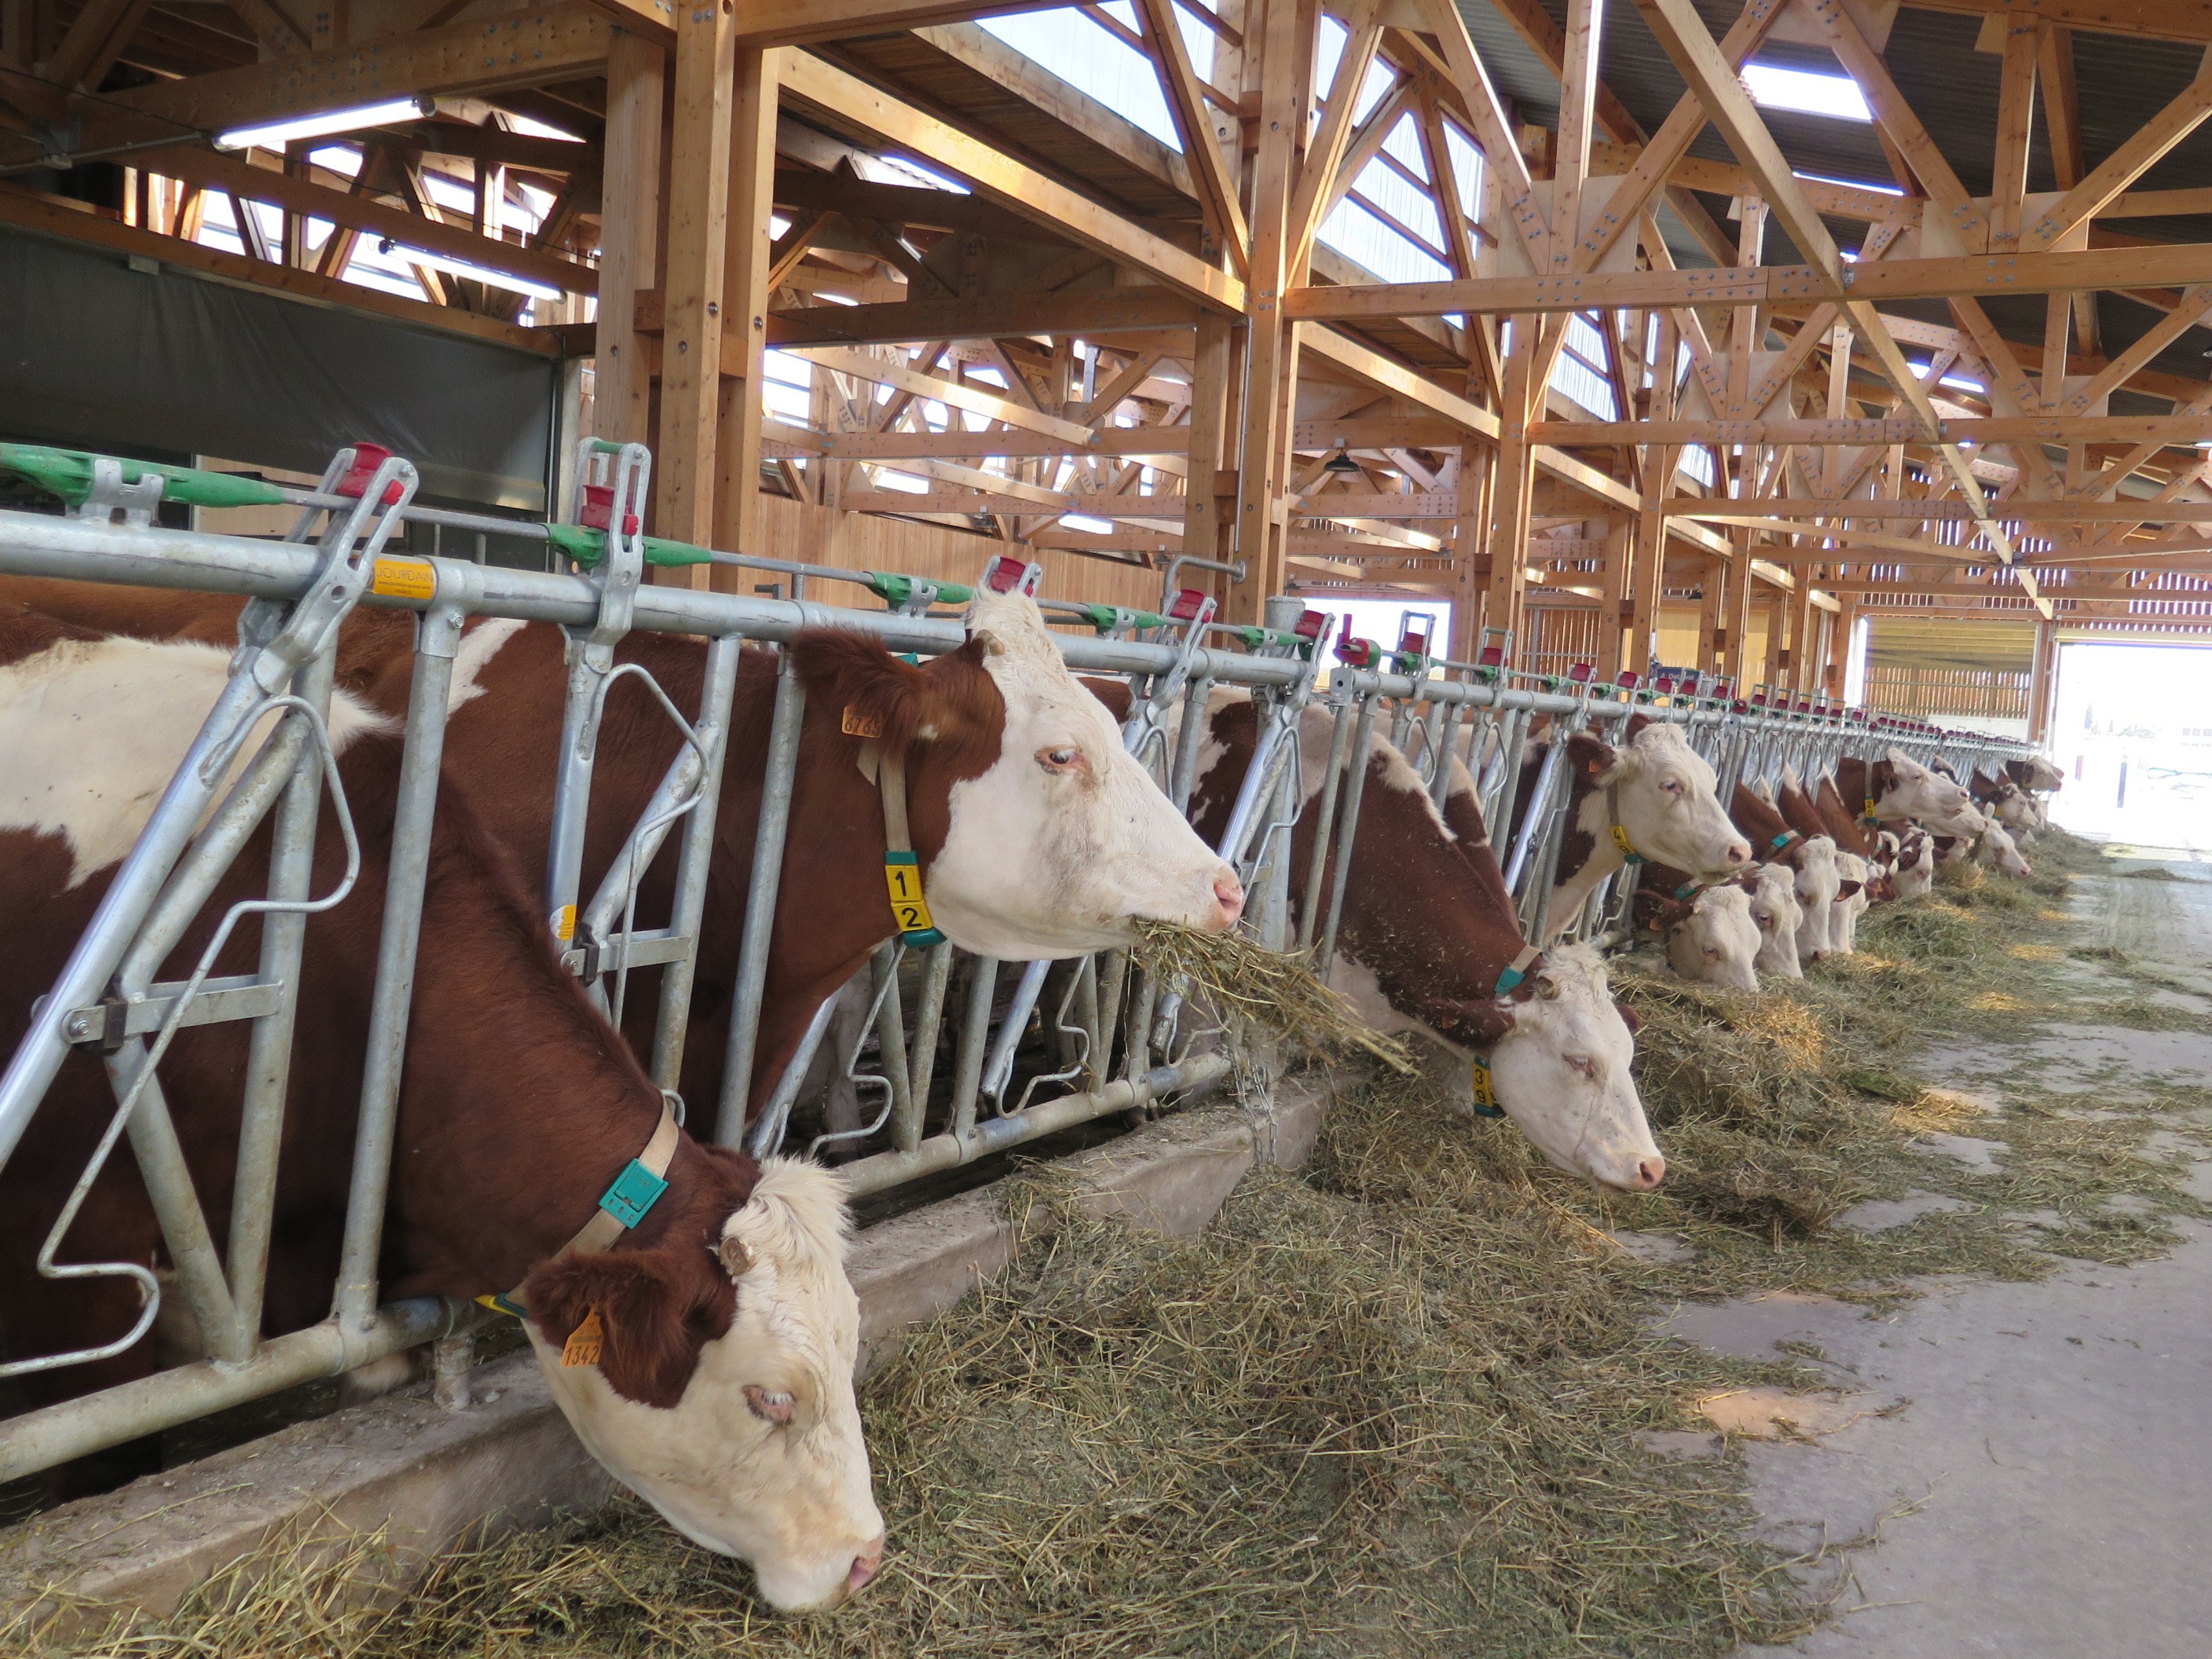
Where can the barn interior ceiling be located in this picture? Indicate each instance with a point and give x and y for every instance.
(1590, 317)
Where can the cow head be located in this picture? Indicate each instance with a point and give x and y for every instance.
(1775, 913)
(1713, 940)
(1053, 839)
(723, 1390)
(1561, 1072)
(1913, 791)
(1914, 872)
(2002, 853)
(1851, 900)
(1816, 887)
(1664, 796)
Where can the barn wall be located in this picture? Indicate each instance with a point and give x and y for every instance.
(858, 541)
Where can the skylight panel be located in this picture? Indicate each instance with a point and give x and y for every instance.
(1369, 242)
(1806, 92)
(1388, 189)
(1072, 46)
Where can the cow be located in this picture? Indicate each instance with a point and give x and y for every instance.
(2005, 801)
(2035, 774)
(1811, 856)
(1429, 943)
(1855, 876)
(1778, 917)
(1998, 852)
(1899, 786)
(1914, 870)
(1038, 836)
(1711, 939)
(1653, 797)
(721, 1386)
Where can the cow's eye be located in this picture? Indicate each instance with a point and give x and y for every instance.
(770, 1405)
(1062, 757)
(1672, 786)
(1713, 953)
(1583, 1063)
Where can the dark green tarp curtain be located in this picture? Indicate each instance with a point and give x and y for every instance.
(98, 356)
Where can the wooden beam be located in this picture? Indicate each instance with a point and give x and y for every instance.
(684, 459)
(1012, 184)
(1127, 442)
(1087, 311)
(975, 399)
(1949, 509)
(544, 44)
(234, 175)
(747, 278)
(2031, 429)
(1578, 90)
(96, 38)
(630, 220)
(2143, 151)
(1201, 144)
(1317, 175)
(2175, 265)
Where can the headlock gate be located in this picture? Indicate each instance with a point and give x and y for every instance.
(1118, 1039)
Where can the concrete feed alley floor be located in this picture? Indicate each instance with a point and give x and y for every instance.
(2034, 1462)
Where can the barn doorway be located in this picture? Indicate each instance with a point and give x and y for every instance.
(2133, 734)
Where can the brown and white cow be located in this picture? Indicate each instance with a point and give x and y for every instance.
(1899, 786)
(1711, 938)
(2000, 852)
(1809, 852)
(1779, 918)
(723, 1392)
(1913, 872)
(1038, 836)
(1653, 793)
(1427, 932)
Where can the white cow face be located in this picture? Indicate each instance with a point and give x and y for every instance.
(1065, 839)
(1915, 865)
(2001, 852)
(1717, 942)
(1851, 900)
(2014, 810)
(1664, 798)
(1775, 912)
(1816, 887)
(1561, 1072)
(761, 1456)
(1937, 801)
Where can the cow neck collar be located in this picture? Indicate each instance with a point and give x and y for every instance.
(1628, 853)
(1515, 973)
(917, 929)
(621, 1207)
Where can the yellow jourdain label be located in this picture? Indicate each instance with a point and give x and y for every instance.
(584, 1343)
(564, 923)
(857, 724)
(1486, 1093)
(403, 579)
(908, 908)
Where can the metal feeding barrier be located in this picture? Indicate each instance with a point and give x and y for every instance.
(1114, 1039)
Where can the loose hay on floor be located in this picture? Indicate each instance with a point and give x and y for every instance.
(1393, 1405)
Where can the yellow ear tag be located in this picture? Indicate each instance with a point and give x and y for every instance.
(857, 724)
(1485, 1091)
(582, 1347)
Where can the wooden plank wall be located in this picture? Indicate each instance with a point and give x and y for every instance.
(861, 541)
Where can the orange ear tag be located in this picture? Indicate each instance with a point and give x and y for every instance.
(582, 1347)
(858, 725)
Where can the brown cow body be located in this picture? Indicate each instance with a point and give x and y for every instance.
(518, 1104)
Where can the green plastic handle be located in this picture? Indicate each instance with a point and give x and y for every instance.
(895, 590)
(585, 546)
(68, 473)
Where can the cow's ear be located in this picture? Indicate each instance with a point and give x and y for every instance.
(1845, 888)
(1115, 693)
(1629, 1017)
(654, 1310)
(951, 699)
(1594, 759)
(1637, 722)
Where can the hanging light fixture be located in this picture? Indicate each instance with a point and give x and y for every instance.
(1341, 463)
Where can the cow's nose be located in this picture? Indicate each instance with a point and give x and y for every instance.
(865, 1566)
(1228, 894)
(1820, 956)
(1649, 1173)
(1738, 856)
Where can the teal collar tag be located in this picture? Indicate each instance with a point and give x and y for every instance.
(634, 1191)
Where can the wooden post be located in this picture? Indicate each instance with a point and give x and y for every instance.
(745, 308)
(1470, 548)
(1513, 486)
(1271, 341)
(2043, 684)
(630, 232)
(1204, 526)
(1617, 611)
(698, 213)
